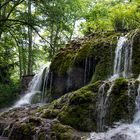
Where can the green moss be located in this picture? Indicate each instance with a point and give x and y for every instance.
(42, 136)
(119, 104)
(62, 61)
(62, 132)
(83, 52)
(77, 109)
(80, 111)
(101, 47)
(50, 113)
(82, 96)
(26, 128)
(120, 86)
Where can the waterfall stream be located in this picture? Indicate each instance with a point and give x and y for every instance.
(37, 85)
(118, 55)
(123, 131)
(103, 104)
(122, 67)
(123, 59)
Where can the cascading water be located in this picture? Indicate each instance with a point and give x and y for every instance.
(123, 131)
(122, 67)
(118, 55)
(100, 105)
(37, 85)
(123, 59)
(103, 104)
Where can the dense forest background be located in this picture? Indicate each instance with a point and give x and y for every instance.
(32, 31)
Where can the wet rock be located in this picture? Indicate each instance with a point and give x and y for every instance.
(23, 124)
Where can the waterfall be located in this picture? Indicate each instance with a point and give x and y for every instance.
(103, 95)
(137, 102)
(123, 131)
(123, 59)
(118, 55)
(122, 67)
(37, 85)
(100, 104)
(103, 104)
(131, 97)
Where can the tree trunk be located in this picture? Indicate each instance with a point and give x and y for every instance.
(30, 56)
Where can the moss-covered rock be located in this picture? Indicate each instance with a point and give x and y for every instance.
(72, 68)
(89, 60)
(63, 132)
(77, 109)
(121, 102)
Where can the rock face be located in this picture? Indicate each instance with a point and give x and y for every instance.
(74, 67)
(25, 83)
(88, 60)
(27, 124)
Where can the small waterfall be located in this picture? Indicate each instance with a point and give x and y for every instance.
(137, 102)
(103, 104)
(131, 98)
(35, 86)
(123, 59)
(122, 67)
(118, 55)
(100, 104)
(127, 61)
(123, 131)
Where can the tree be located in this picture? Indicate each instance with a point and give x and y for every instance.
(30, 55)
(59, 17)
(117, 15)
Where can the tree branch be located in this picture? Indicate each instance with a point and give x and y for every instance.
(28, 24)
(12, 9)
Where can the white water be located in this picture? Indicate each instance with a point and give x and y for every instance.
(118, 55)
(123, 59)
(103, 104)
(35, 86)
(122, 131)
(100, 107)
(122, 67)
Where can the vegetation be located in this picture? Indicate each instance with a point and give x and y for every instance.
(118, 15)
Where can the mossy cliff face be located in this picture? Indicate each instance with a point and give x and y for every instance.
(79, 108)
(85, 64)
(122, 101)
(89, 59)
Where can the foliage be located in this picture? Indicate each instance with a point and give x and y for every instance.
(112, 15)
(8, 94)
